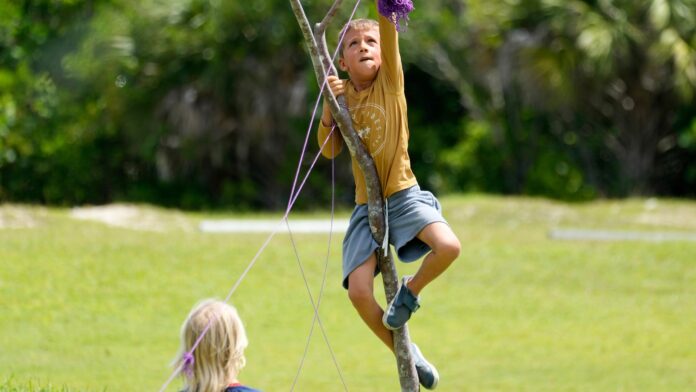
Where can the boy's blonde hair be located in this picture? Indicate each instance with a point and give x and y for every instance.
(356, 24)
(219, 356)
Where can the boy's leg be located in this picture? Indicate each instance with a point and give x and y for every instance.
(445, 249)
(361, 294)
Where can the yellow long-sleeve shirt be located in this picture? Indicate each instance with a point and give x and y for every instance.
(379, 116)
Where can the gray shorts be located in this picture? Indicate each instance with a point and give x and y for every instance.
(409, 210)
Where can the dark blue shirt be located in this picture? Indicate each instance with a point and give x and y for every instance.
(240, 388)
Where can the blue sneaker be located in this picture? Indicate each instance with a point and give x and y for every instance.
(400, 308)
(427, 374)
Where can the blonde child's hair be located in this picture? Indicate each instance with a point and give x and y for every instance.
(219, 356)
(356, 24)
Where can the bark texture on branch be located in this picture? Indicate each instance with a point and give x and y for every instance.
(323, 66)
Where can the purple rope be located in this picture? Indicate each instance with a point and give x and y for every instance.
(311, 167)
(323, 282)
(396, 11)
(188, 359)
(293, 194)
(187, 366)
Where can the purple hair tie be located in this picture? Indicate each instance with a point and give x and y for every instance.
(187, 367)
(396, 11)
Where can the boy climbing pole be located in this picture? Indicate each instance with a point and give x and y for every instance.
(375, 98)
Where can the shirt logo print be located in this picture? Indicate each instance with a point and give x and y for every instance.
(369, 121)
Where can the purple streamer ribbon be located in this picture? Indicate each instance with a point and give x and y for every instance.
(396, 11)
(187, 367)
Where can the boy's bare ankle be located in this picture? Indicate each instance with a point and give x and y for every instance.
(414, 289)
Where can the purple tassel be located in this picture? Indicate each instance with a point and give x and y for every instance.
(396, 11)
(187, 367)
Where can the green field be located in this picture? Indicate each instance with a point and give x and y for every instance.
(89, 307)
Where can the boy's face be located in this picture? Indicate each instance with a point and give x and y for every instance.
(362, 55)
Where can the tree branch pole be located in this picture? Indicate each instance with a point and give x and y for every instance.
(323, 66)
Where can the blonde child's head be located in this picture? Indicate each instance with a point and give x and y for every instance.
(219, 356)
(356, 24)
(361, 55)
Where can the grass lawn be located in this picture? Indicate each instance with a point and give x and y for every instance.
(90, 307)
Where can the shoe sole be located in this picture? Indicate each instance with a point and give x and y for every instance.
(436, 375)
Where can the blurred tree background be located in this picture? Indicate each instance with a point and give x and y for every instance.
(205, 103)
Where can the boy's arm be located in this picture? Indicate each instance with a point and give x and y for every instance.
(333, 146)
(391, 58)
(335, 143)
